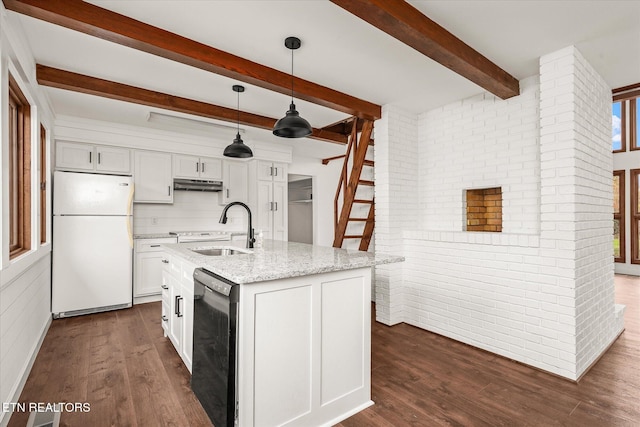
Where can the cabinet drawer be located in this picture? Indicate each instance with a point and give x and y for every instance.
(152, 245)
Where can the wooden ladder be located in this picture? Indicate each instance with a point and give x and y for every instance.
(348, 185)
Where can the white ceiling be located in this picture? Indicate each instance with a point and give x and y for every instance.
(338, 50)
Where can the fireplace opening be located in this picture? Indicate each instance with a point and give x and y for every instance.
(484, 209)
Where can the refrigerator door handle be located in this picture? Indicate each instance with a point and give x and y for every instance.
(130, 216)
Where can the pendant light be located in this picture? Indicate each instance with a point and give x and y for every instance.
(292, 125)
(237, 148)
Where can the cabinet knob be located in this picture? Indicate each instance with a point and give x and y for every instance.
(165, 287)
(164, 318)
(165, 261)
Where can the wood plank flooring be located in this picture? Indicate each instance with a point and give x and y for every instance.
(122, 365)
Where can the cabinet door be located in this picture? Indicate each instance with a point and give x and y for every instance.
(279, 172)
(210, 169)
(186, 166)
(148, 274)
(113, 159)
(264, 213)
(152, 177)
(265, 171)
(235, 180)
(70, 155)
(187, 327)
(176, 306)
(280, 211)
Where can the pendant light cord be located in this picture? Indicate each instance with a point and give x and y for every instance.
(292, 76)
(238, 112)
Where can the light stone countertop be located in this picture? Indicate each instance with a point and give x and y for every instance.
(277, 260)
(152, 236)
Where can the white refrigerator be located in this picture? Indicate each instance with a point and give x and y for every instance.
(92, 243)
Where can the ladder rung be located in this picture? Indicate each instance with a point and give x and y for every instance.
(353, 236)
(369, 163)
(359, 219)
(366, 182)
(362, 201)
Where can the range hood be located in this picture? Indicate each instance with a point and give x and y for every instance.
(196, 185)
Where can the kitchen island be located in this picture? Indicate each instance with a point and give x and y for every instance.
(303, 337)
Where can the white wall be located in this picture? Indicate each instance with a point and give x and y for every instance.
(24, 281)
(541, 291)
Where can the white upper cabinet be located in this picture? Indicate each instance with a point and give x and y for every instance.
(269, 171)
(235, 179)
(97, 158)
(197, 167)
(152, 177)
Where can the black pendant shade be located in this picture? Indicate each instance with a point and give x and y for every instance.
(237, 147)
(292, 125)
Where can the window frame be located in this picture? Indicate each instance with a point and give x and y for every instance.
(635, 216)
(620, 216)
(634, 144)
(623, 126)
(19, 171)
(43, 185)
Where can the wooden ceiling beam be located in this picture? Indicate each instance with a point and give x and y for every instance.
(406, 23)
(61, 79)
(105, 24)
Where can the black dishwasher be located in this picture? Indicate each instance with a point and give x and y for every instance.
(214, 364)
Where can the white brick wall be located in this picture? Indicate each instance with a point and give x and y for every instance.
(397, 208)
(540, 292)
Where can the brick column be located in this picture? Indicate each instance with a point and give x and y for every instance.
(396, 195)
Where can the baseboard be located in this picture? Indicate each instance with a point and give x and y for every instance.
(149, 298)
(597, 359)
(348, 414)
(5, 416)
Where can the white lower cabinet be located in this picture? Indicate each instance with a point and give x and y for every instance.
(147, 267)
(304, 346)
(177, 277)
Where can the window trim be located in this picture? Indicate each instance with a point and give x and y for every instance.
(43, 185)
(19, 171)
(623, 127)
(620, 216)
(635, 216)
(634, 144)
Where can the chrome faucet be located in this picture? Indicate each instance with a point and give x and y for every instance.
(223, 220)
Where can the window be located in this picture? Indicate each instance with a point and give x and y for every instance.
(617, 129)
(19, 171)
(43, 184)
(484, 209)
(618, 216)
(634, 106)
(635, 216)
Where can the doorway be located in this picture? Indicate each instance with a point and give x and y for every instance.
(300, 208)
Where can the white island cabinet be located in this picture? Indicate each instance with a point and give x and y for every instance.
(305, 345)
(304, 328)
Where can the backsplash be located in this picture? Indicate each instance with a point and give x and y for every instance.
(190, 211)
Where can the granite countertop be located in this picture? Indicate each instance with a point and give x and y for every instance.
(152, 236)
(277, 260)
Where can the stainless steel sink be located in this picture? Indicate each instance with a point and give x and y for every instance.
(217, 251)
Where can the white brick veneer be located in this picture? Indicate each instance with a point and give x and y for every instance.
(396, 209)
(540, 292)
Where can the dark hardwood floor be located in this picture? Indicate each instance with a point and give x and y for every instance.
(122, 365)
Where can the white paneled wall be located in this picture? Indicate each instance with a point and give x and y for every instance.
(540, 292)
(24, 319)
